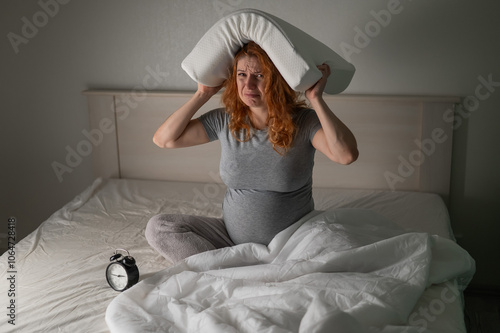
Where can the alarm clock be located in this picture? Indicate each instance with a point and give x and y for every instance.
(122, 273)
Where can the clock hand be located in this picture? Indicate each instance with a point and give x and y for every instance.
(118, 275)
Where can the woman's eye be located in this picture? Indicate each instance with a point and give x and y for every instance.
(257, 76)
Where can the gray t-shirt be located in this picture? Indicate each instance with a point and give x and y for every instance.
(266, 192)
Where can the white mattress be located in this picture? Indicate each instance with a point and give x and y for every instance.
(60, 267)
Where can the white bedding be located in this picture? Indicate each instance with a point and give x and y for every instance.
(61, 285)
(344, 269)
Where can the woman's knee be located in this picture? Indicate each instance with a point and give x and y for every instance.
(162, 224)
(172, 237)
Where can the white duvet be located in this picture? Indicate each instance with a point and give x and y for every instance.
(344, 270)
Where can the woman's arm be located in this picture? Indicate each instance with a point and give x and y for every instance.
(179, 130)
(334, 139)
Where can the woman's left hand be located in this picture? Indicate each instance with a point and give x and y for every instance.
(317, 89)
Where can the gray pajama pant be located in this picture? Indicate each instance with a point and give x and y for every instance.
(177, 236)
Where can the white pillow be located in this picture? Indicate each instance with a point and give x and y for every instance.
(294, 53)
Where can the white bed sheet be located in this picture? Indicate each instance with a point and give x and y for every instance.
(60, 267)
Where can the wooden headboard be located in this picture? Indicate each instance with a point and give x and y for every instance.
(405, 143)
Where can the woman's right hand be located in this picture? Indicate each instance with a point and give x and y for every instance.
(180, 130)
(210, 91)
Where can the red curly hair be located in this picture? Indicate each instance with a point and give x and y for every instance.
(280, 98)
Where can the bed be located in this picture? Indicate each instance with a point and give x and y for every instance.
(54, 279)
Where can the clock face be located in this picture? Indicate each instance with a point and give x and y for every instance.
(117, 276)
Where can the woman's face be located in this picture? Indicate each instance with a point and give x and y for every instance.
(250, 82)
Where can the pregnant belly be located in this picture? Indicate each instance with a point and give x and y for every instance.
(257, 216)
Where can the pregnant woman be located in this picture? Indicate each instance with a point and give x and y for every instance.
(268, 140)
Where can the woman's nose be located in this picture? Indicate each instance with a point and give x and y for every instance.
(251, 82)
